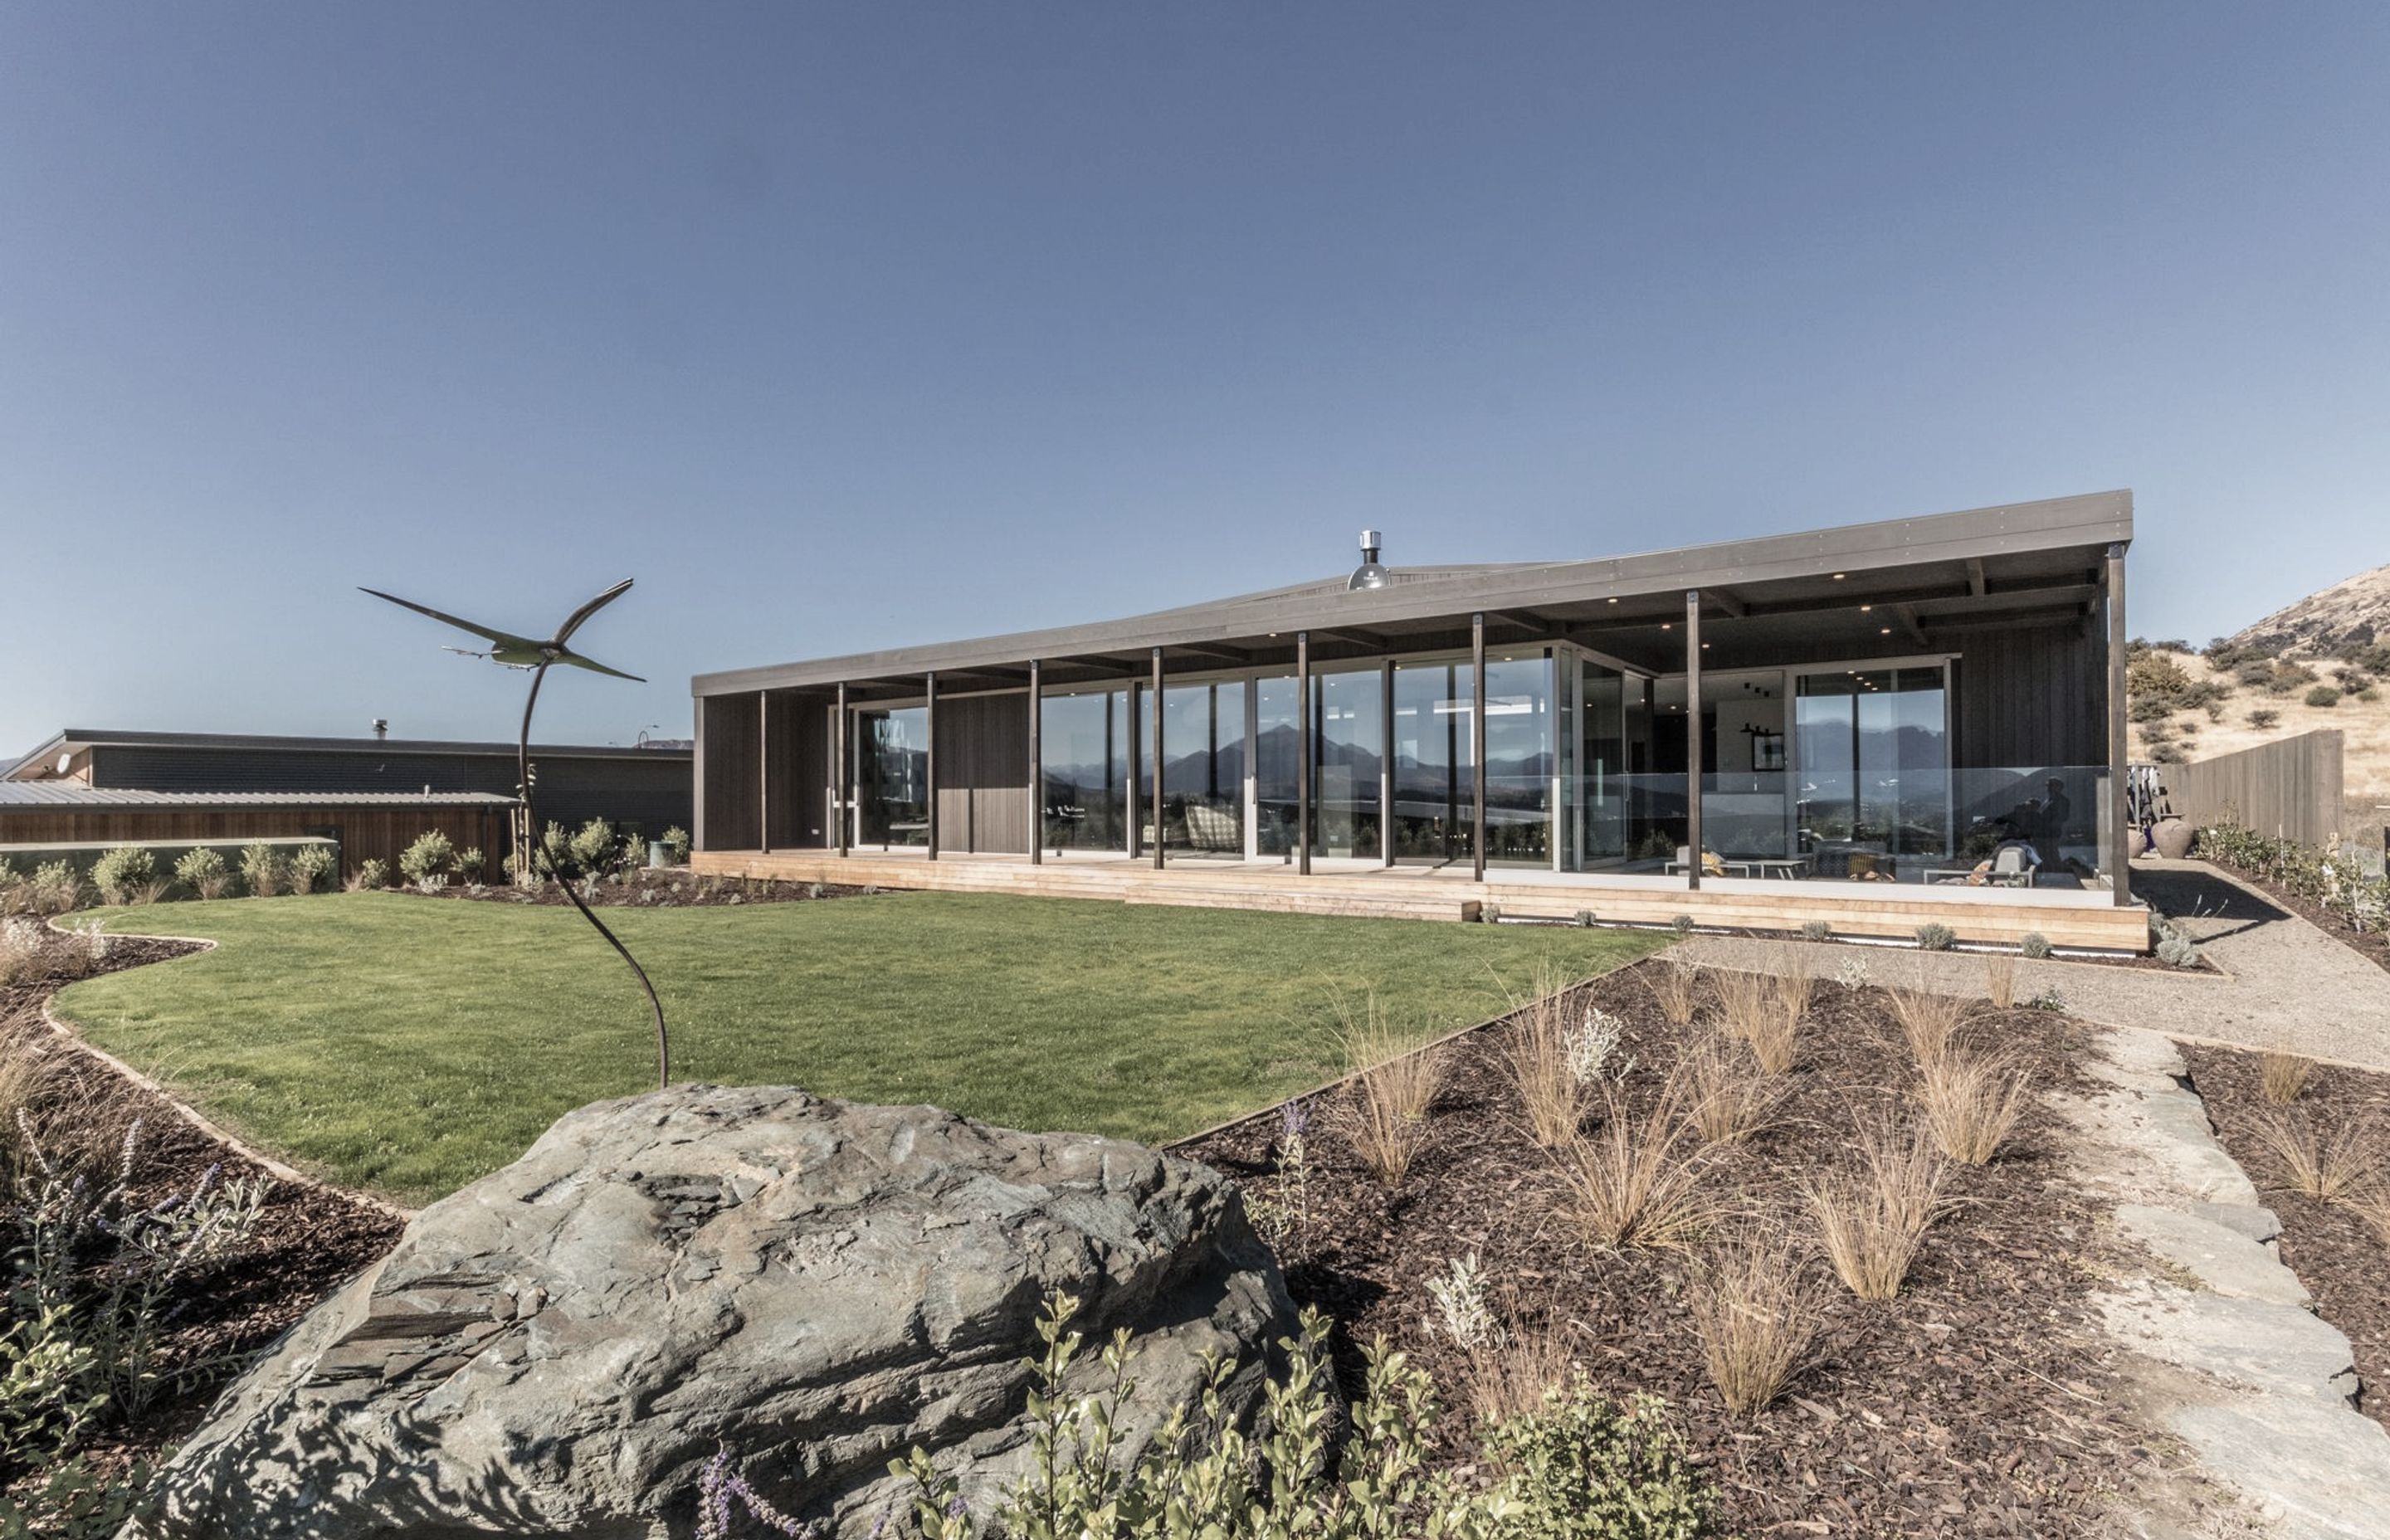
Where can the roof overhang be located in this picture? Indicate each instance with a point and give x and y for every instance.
(1950, 571)
(74, 740)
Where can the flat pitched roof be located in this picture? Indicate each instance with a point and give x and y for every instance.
(73, 795)
(1974, 553)
(75, 739)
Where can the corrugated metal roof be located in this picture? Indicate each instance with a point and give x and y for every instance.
(69, 794)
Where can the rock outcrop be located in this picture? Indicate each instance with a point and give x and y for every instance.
(2354, 612)
(816, 1285)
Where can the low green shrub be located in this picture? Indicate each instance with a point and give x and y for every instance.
(1682, 925)
(1575, 1468)
(431, 855)
(312, 868)
(677, 844)
(261, 869)
(2323, 696)
(373, 875)
(2179, 951)
(469, 862)
(1580, 1469)
(1934, 936)
(1817, 930)
(120, 871)
(55, 888)
(203, 871)
(2264, 717)
(2035, 945)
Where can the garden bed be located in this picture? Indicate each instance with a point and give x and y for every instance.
(2336, 1253)
(651, 888)
(1972, 1404)
(2373, 945)
(305, 1241)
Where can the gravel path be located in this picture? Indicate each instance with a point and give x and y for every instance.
(2285, 984)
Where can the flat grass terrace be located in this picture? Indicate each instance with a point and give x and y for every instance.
(406, 1046)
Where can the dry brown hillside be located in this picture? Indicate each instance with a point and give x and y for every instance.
(2322, 662)
(2347, 619)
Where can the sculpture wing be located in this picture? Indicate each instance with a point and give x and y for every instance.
(572, 622)
(567, 655)
(504, 638)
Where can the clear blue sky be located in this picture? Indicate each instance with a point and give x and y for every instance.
(857, 325)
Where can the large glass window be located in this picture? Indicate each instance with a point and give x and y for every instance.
(1202, 768)
(1278, 765)
(892, 770)
(1875, 758)
(1085, 741)
(1518, 760)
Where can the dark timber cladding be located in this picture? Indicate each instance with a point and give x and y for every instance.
(2021, 604)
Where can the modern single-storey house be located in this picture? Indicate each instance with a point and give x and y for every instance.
(1877, 726)
(374, 794)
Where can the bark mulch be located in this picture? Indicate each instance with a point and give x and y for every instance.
(2344, 1264)
(1976, 1403)
(650, 889)
(308, 1241)
(2373, 945)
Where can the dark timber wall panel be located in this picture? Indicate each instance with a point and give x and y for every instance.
(732, 789)
(984, 773)
(2032, 697)
(2290, 788)
(800, 771)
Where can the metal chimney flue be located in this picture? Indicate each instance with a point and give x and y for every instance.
(381, 728)
(1368, 574)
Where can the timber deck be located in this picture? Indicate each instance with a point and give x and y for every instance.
(2085, 919)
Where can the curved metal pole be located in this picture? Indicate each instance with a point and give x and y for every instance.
(538, 847)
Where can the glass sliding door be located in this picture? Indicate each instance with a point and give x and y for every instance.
(1348, 725)
(1086, 771)
(891, 771)
(1278, 765)
(1873, 784)
(1202, 767)
(1598, 777)
(1435, 798)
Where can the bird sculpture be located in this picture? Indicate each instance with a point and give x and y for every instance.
(509, 650)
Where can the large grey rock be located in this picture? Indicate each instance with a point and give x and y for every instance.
(820, 1286)
(2312, 1472)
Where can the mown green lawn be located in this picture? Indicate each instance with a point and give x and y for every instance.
(407, 1045)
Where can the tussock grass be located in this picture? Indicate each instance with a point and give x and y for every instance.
(1797, 987)
(1757, 1310)
(1509, 1377)
(1397, 1080)
(1971, 1102)
(1534, 1050)
(1744, 1002)
(1724, 1102)
(1676, 987)
(2282, 1076)
(1929, 1019)
(1634, 1181)
(1873, 1220)
(2371, 1207)
(2001, 981)
(2330, 1164)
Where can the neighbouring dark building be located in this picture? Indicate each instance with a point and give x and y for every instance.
(648, 787)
